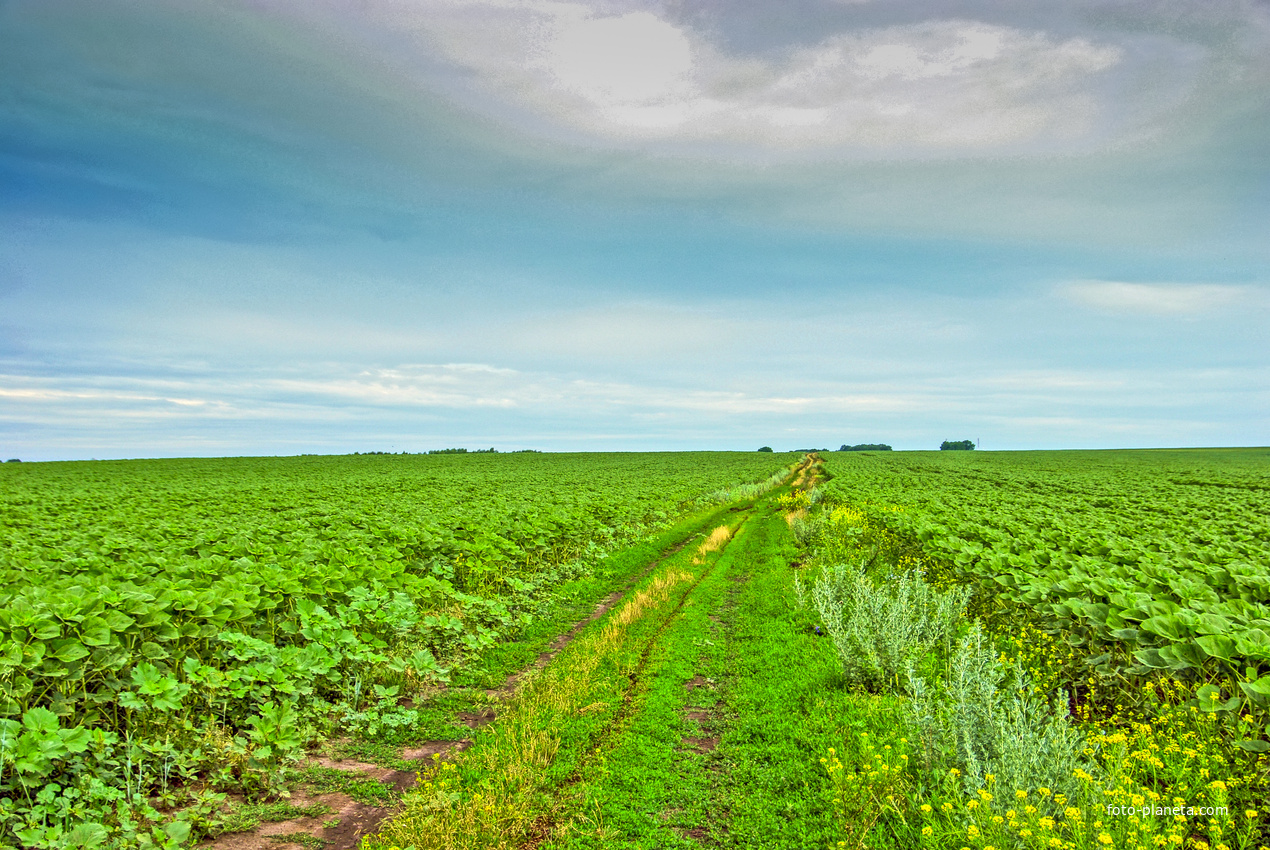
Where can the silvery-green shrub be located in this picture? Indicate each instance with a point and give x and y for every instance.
(805, 530)
(983, 718)
(882, 631)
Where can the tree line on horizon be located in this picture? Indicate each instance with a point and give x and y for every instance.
(945, 446)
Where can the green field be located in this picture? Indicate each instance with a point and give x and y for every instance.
(161, 621)
(1163, 552)
(887, 649)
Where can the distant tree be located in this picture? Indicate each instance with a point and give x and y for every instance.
(14, 460)
(866, 447)
(957, 445)
(765, 449)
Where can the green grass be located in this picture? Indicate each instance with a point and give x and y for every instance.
(363, 789)
(705, 723)
(246, 817)
(803, 758)
(654, 783)
(790, 706)
(439, 715)
(779, 706)
(577, 599)
(304, 839)
(528, 774)
(773, 697)
(155, 595)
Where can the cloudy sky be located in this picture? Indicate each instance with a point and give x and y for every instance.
(287, 226)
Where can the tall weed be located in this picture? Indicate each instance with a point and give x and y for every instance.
(985, 720)
(746, 491)
(883, 631)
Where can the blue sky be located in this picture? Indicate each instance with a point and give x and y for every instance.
(279, 227)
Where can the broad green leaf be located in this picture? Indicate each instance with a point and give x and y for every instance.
(117, 621)
(1254, 745)
(130, 701)
(1182, 655)
(1165, 625)
(40, 720)
(94, 632)
(1152, 658)
(89, 835)
(1218, 646)
(75, 740)
(1214, 624)
(1254, 643)
(11, 654)
(178, 831)
(69, 650)
(153, 651)
(1209, 697)
(1258, 691)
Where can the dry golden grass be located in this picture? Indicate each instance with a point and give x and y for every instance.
(713, 543)
(649, 597)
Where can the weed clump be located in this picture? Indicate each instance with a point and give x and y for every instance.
(985, 718)
(883, 631)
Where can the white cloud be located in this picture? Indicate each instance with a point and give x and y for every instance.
(405, 388)
(633, 77)
(334, 407)
(1155, 299)
(635, 58)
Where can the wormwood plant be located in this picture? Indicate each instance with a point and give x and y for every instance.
(985, 719)
(747, 491)
(882, 632)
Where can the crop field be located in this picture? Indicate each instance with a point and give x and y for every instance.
(848, 649)
(172, 627)
(1162, 552)
(1124, 592)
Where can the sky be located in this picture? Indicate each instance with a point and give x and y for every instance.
(308, 226)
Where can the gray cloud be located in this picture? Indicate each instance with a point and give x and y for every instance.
(945, 86)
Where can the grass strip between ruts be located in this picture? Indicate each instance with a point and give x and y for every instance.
(653, 787)
(439, 715)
